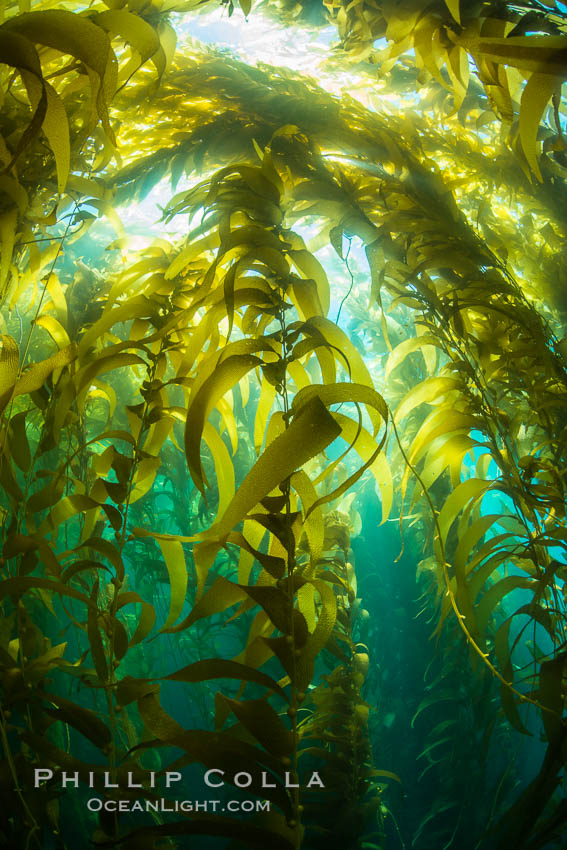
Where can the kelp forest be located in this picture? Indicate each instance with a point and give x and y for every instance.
(283, 424)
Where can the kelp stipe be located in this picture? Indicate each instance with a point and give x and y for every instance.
(334, 731)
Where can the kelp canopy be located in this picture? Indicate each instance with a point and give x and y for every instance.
(357, 287)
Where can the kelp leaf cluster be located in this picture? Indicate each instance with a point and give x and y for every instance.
(207, 373)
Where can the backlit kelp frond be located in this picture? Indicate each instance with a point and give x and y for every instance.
(508, 45)
(61, 73)
(246, 106)
(287, 595)
(178, 425)
(62, 519)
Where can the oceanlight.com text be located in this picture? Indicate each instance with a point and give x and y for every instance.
(96, 804)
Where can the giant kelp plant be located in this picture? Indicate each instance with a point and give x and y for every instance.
(354, 294)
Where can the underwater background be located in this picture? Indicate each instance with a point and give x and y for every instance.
(283, 412)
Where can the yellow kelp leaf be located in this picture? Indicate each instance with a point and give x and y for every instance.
(34, 377)
(47, 496)
(496, 592)
(228, 291)
(136, 32)
(55, 330)
(541, 54)
(202, 401)
(9, 363)
(342, 393)
(313, 525)
(470, 538)
(442, 420)
(50, 658)
(299, 374)
(456, 501)
(365, 446)
(106, 208)
(8, 224)
(265, 402)
(276, 604)
(428, 477)
(311, 431)
(453, 7)
(222, 594)
(66, 32)
(223, 467)
(387, 774)
(56, 128)
(58, 298)
(145, 623)
(144, 477)
(319, 637)
(458, 69)
(383, 474)
(306, 604)
(335, 337)
(253, 532)
(252, 236)
(305, 296)
(220, 668)
(488, 562)
(244, 390)
(401, 18)
(424, 44)
(14, 191)
(323, 352)
(65, 509)
(345, 393)
(55, 124)
(75, 35)
(174, 558)
(451, 452)
(252, 174)
(84, 378)
(158, 432)
(535, 97)
(395, 49)
(257, 652)
(168, 41)
(427, 391)
(38, 261)
(108, 550)
(401, 351)
(84, 720)
(228, 420)
(21, 584)
(133, 308)
(312, 269)
(20, 53)
(87, 186)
